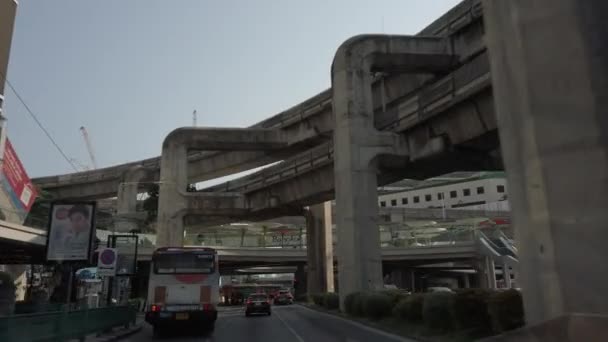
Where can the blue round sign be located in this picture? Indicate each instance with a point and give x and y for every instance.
(107, 257)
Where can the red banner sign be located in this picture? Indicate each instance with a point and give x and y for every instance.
(23, 192)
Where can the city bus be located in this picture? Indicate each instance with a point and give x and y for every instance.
(183, 290)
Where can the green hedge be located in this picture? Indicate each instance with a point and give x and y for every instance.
(331, 301)
(410, 308)
(506, 310)
(437, 311)
(470, 309)
(354, 303)
(376, 305)
(349, 303)
(395, 296)
(359, 305)
(317, 298)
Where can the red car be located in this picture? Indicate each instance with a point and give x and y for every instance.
(257, 304)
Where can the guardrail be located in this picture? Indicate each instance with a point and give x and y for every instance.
(64, 325)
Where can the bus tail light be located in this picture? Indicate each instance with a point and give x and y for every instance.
(155, 308)
(208, 307)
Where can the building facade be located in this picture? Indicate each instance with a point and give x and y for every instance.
(458, 190)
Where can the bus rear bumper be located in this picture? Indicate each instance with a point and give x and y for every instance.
(191, 317)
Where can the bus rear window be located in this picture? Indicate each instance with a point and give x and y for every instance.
(183, 263)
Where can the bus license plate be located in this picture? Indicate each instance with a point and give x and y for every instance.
(181, 316)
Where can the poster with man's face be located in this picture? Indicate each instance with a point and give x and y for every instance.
(70, 231)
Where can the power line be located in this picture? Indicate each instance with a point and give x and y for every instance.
(39, 123)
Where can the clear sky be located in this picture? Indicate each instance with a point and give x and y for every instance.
(132, 71)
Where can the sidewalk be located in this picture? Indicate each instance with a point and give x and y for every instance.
(116, 333)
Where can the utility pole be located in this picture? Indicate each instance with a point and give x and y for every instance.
(8, 10)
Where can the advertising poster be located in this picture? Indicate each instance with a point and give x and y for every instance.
(16, 184)
(71, 229)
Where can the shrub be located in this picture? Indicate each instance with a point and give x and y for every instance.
(359, 304)
(317, 298)
(410, 307)
(506, 310)
(301, 297)
(395, 295)
(354, 303)
(436, 311)
(470, 309)
(350, 303)
(331, 301)
(376, 305)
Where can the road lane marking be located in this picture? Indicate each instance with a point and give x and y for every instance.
(293, 332)
(362, 326)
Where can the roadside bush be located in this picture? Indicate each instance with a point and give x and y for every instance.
(436, 311)
(506, 310)
(331, 301)
(376, 305)
(395, 295)
(317, 298)
(349, 303)
(354, 303)
(410, 307)
(359, 304)
(301, 297)
(470, 309)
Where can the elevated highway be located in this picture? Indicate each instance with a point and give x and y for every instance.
(400, 104)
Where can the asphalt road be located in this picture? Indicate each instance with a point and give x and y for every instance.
(287, 323)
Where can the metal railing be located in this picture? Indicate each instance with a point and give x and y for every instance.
(64, 325)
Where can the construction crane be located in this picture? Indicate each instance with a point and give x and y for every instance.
(87, 141)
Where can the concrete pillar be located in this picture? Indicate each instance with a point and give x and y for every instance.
(357, 144)
(413, 281)
(486, 273)
(506, 274)
(126, 201)
(319, 249)
(300, 287)
(549, 61)
(490, 272)
(8, 10)
(465, 281)
(173, 178)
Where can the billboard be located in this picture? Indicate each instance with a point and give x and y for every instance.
(16, 184)
(71, 231)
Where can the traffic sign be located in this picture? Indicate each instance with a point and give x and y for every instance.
(106, 262)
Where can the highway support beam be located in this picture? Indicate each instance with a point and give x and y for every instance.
(549, 61)
(319, 249)
(357, 144)
(175, 202)
(126, 201)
